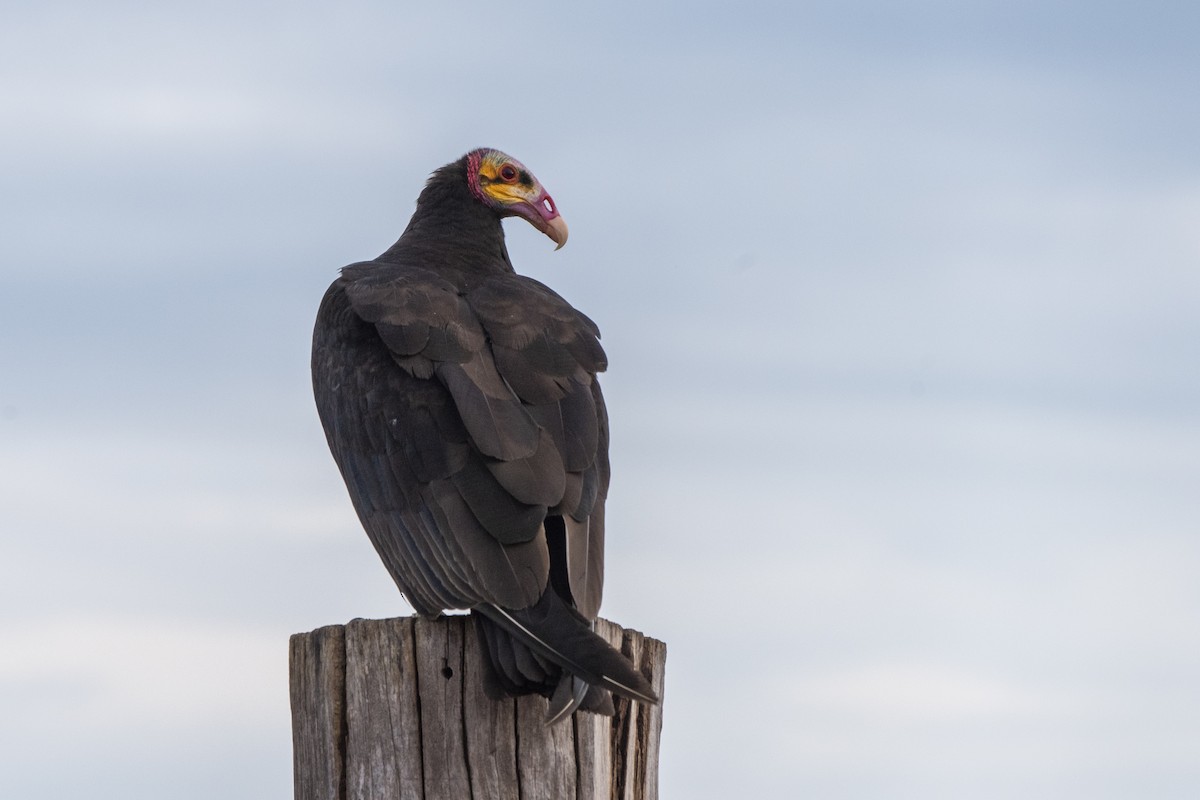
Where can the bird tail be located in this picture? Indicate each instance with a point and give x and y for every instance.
(551, 649)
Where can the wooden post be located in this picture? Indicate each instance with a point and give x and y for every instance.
(395, 708)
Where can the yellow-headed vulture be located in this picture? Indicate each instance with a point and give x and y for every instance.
(461, 404)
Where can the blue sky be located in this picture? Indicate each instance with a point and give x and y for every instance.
(901, 306)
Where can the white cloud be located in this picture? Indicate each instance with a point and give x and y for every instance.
(104, 675)
(915, 693)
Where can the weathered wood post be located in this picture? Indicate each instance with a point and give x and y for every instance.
(395, 708)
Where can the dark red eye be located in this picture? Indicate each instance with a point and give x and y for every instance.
(508, 173)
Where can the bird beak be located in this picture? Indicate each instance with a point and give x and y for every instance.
(543, 215)
(556, 229)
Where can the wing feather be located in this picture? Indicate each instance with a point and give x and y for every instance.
(460, 418)
(539, 479)
(499, 424)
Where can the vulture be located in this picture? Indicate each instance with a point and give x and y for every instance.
(460, 402)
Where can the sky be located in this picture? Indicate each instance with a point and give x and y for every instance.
(900, 302)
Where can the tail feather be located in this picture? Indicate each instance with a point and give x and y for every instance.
(511, 666)
(557, 633)
(533, 669)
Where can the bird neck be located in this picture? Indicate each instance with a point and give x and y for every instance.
(451, 222)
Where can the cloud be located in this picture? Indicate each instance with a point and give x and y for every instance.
(138, 674)
(899, 304)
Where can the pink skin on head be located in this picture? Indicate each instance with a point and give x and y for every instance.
(474, 158)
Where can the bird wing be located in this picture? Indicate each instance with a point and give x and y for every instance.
(460, 421)
(549, 354)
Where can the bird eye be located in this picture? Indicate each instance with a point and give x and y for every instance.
(508, 173)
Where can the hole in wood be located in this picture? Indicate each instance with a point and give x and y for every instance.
(447, 672)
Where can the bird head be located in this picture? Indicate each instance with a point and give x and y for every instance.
(502, 183)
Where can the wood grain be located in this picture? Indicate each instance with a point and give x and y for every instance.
(395, 708)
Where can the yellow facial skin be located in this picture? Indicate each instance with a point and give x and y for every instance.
(505, 182)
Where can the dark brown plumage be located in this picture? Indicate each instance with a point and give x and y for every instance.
(461, 404)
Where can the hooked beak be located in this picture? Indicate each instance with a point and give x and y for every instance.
(543, 215)
(556, 229)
